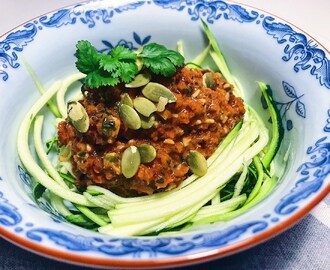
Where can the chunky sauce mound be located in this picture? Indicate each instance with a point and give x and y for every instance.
(199, 120)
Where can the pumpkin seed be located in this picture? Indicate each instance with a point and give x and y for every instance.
(138, 60)
(147, 122)
(139, 80)
(78, 116)
(147, 152)
(111, 157)
(130, 116)
(130, 161)
(144, 106)
(126, 99)
(208, 80)
(161, 104)
(65, 152)
(197, 163)
(154, 91)
(139, 64)
(139, 50)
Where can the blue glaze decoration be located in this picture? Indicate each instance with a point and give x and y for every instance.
(151, 246)
(297, 49)
(18, 229)
(327, 126)
(138, 40)
(284, 106)
(13, 43)
(312, 174)
(9, 215)
(141, 41)
(25, 177)
(295, 100)
(59, 18)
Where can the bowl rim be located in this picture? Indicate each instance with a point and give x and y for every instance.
(178, 260)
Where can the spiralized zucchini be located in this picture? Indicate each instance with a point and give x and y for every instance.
(237, 176)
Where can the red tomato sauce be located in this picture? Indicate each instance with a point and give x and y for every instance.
(199, 120)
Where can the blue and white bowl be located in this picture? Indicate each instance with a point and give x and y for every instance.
(257, 46)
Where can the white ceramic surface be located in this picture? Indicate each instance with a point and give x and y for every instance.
(258, 47)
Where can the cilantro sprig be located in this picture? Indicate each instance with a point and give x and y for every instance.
(160, 60)
(119, 65)
(105, 69)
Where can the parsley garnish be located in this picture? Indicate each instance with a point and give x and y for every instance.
(119, 65)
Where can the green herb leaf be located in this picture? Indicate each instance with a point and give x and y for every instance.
(94, 193)
(51, 143)
(119, 65)
(87, 57)
(160, 60)
(122, 53)
(99, 78)
(81, 220)
(120, 62)
(38, 191)
(67, 177)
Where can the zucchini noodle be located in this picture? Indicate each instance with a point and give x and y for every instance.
(27, 159)
(240, 172)
(60, 96)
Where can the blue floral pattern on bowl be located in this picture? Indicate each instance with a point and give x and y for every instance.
(299, 52)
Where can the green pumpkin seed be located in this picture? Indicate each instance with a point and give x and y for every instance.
(139, 64)
(111, 157)
(147, 122)
(154, 91)
(147, 152)
(139, 80)
(197, 163)
(161, 104)
(65, 152)
(78, 116)
(208, 80)
(130, 161)
(139, 50)
(130, 116)
(144, 106)
(138, 60)
(126, 99)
